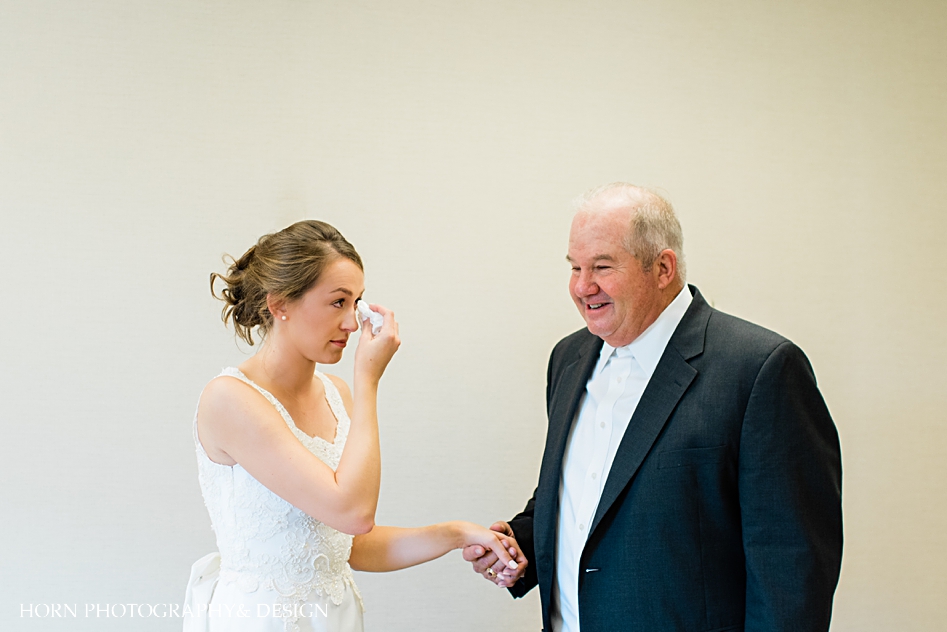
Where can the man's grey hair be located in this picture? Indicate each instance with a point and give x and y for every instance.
(654, 226)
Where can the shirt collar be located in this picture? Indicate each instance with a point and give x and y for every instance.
(648, 348)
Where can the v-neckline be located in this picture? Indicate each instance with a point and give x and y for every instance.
(284, 412)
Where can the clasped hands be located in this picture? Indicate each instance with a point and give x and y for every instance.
(486, 562)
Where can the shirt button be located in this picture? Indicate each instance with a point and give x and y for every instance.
(581, 527)
(618, 379)
(601, 424)
(594, 476)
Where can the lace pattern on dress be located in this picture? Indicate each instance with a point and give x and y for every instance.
(266, 542)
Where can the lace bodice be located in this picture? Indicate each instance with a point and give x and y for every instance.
(264, 541)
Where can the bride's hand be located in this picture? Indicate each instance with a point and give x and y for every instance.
(510, 561)
(485, 561)
(375, 351)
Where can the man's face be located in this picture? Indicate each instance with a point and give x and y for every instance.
(615, 296)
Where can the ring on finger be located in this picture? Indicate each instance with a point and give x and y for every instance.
(492, 573)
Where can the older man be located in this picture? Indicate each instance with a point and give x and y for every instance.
(691, 479)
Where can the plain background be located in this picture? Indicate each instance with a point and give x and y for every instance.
(802, 143)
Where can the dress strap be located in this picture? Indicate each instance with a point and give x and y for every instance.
(337, 406)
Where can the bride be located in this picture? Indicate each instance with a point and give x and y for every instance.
(288, 457)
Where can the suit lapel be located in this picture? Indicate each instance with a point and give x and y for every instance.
(562, 409)
(670, 381)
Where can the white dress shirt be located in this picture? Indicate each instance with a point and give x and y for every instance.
(611, 396)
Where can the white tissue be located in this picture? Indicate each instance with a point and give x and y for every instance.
(366, 313)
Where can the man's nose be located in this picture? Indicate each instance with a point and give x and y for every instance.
(585, 285)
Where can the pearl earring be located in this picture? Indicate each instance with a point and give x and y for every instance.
(283, 317)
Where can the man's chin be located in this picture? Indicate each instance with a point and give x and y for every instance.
(597, 329)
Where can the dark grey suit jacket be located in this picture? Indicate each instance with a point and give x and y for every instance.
(722, 509)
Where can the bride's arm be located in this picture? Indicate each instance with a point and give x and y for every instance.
(393, 548)
(247, 429)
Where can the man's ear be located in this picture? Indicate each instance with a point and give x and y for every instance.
(665, 268)
(277, 306)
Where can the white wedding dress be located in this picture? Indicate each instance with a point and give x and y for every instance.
(278, 569)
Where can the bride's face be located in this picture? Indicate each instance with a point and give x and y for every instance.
(319, 323)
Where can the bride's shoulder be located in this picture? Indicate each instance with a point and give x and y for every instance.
(234, 418)
(227, 400)
(225, 386)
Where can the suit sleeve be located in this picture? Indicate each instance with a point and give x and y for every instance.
(790, 478)
(522, 523)
(522, 526)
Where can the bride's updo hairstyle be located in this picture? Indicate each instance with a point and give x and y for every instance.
(285, 264)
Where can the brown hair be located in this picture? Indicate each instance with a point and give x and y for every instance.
(285, 264)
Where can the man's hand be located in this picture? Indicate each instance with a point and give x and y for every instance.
(490, 566)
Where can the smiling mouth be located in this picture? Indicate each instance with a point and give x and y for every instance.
(594, 306)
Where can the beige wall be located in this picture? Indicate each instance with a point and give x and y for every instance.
(803, 145)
